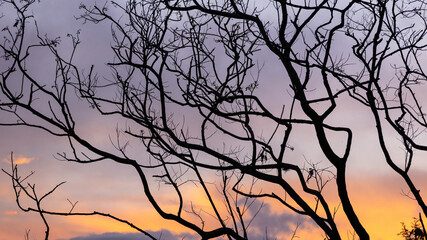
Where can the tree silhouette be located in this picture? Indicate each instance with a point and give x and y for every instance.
(179, 58)
(417, 231)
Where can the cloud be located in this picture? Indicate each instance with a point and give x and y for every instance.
(23, 160)
(19, 160)
(272, 223)
(10, 212)
(163, 234)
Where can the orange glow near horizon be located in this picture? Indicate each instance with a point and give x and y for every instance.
(381, 209)
(377, 201)
(380, 213)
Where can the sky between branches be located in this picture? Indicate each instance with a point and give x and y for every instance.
(375, 191)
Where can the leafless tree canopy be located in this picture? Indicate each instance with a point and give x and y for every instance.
(187, 78)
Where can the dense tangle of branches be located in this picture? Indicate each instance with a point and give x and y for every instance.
(199, 58)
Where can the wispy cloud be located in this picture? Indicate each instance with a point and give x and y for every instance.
(10, 212)
(19, 160)
(268, 223)
(23, 160)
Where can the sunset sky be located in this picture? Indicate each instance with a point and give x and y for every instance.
(377, 193)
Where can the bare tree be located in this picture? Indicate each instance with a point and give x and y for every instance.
(175, 58)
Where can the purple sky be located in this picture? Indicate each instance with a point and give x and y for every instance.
(112, 188)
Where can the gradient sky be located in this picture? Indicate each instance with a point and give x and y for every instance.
(375, 191)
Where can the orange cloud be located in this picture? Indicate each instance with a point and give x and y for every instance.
(10, 213)
(23, 160)
(19, 160)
